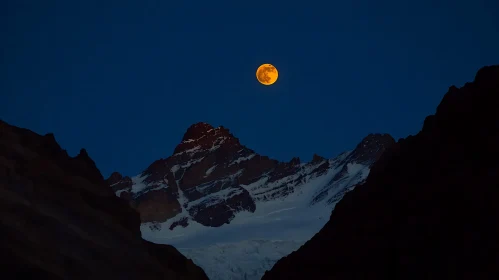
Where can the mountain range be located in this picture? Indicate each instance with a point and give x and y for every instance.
(211, 177)
(213, 192)
(424, 207)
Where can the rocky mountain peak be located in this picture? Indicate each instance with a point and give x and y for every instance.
(461, 108)
(317, 158)
(371, 147)
(197, 131)
(295, 161)
(212, 176)
(83, 164)
(487, 76)
(114, 178)
(205, 136)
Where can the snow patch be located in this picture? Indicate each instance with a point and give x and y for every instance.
(162, 186)
(193, 140)
(175, 168)
(242, 159)
(210, 170)
(354, 168)
(188, 151)
(191, 162)
(138, 184)
(118, 193)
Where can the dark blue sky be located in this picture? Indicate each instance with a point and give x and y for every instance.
(124, 79)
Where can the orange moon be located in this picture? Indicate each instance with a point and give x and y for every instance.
(267, 74)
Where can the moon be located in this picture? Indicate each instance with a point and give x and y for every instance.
(267, 74)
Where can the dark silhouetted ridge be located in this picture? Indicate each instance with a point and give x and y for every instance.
(60, 220)
(429, 208)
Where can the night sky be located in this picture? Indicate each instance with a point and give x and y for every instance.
(125, 79)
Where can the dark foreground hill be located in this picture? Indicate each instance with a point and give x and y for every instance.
(60, 220)
(429, 208)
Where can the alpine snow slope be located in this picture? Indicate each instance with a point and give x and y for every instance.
(236, 213)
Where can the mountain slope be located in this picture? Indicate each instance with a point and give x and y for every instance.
(59, 219)
(430, 207)
(247, 259)
(215, 198)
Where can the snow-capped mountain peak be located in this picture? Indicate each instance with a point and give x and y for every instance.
(211, 177)
(213, 186)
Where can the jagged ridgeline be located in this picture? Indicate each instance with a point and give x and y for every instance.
(211, 177)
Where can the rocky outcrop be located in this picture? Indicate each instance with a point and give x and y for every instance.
(60, 220)
(160, 206)
(118, 182)
(429, 208)
(317, 158)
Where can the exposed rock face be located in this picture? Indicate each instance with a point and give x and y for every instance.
(118, 182)
(429, 208)
(317, 158)
(60, 220)
(211, 176)
(182, 222)
(161, 205)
